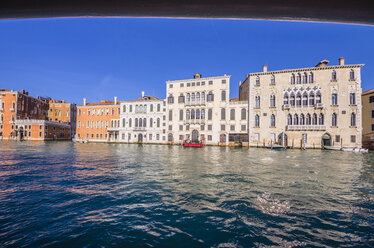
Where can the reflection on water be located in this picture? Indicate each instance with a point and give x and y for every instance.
(65, 194)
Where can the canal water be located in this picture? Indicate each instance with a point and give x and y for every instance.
(61, 194)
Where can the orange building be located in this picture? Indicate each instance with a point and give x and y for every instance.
(98, 121)
(63, 112)
(25, 117)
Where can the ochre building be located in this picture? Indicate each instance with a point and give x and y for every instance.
(368, 119)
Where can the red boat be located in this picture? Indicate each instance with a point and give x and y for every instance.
(198, 145)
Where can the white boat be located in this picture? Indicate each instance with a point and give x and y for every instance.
(355, 149)
(333, 148)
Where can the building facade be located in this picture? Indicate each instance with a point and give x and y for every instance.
(142, 120)
(98, 121)
(306, 107)
(63, 112)
(199, 109)
(368, 119)
(25, 117)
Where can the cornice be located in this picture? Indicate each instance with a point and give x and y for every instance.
(197, 79)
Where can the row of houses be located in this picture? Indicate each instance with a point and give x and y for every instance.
(305, 107)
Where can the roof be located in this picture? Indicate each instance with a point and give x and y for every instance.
(235, 99)
(102, 103)
(368, 92)
(144, 98)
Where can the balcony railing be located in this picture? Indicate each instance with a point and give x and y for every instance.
(318, 105)
(193, 103)
(139, 128)
(113, 128)
(305, 127)
(286, 106)
(194, 121)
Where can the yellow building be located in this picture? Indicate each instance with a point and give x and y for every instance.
(306, 107)
(368, 119)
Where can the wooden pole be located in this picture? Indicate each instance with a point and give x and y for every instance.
(293, 143)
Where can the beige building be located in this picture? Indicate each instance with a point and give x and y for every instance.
(368, 119)
(306, 107)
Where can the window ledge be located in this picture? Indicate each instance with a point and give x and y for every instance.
(272, 127)
(353, 105)
(333, 126)
(353, 126)
(333, 80)
(336, 105)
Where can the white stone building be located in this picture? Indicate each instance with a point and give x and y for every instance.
(199, 110)
(142, 120)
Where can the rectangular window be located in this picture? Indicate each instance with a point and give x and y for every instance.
(222, 127)
(202, 83)
(192, 84)
(232, 127)
(372, 114)
(198, 84)
(170, 85)
(170, 127)
(181, 115)
(188, 84)
(180, 127)
(371, 99)
(210, 137)
(337, 138)
(210, 82)
(257, 137)
(223, 81)
(182, 85)
(353, 138)
(170, 115)
(372, 127)
(243, 127)
(223, 96)
(210, 127)
(210, 114)
(158, 136)
(202, 127)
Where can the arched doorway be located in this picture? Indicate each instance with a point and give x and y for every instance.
(195, 136)
(222, 138)
(326, 139)
(170, 137)
(140, 138)
(283, 140)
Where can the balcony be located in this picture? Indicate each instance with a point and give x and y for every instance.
(318, 105)
(12, 109)
(139, 128)
(194, 103)
(286, 106)
(112, 129)
(194, 121)
(305, 128)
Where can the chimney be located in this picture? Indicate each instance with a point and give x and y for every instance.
(142, 94)
(115, 100)
(265, 68)
(341, 61)
(84, 101)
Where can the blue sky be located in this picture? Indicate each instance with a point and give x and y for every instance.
(98, 58)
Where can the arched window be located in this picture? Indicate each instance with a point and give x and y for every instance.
(203, 114)
(232, 114)
(188, 114)
(293, 78)
(257, 121)
(318, 97)
(272, 79)
(223, 95)
(272, 101)
(151, 107)
(181, 114)
(124, 108)
(289, 119)
(320, 119)
(210, 96)
(257, 101)
(170, 99)
(188, 98)
(305, 99)
(311, 98)
(292, 99)
(158, 107)
(244, 114)
(203, 97)
(192, 114)
(311, 77)
(151, 122)
(285, 98)
(298, 99)
(197, 113)
(305, 78)
(198, 97)
(352, 75)
(130, 122)
(295, 119)
(308, 119)
(140, 122)
(334, 120)
(158, 122)
(272, 120)
(193, 97)
(353, 120)
(334, 99)
(352, 98)
(314, 119)
(298, 78)
(223, 114)
(257, 80)
(136, 122)
(144, 122)
(123, 122)
(333, 75)
(170, 137)
(302, 119)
